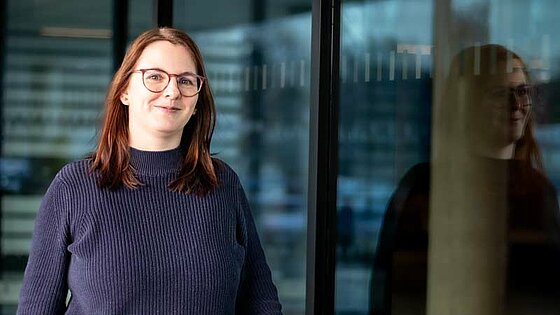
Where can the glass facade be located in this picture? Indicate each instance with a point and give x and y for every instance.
(57, 65)
(56, 75)
(385, 113)
(446, 113)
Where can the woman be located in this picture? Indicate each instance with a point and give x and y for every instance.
(491, 163)
(150, 223)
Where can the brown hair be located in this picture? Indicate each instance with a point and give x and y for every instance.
(492, 59)
(112, 158)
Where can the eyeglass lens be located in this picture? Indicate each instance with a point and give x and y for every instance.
(522, 94)
(157, 80)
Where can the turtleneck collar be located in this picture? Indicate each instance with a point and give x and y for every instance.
(155, 162)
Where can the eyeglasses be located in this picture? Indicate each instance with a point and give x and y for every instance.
(156, 80)
(523, 94)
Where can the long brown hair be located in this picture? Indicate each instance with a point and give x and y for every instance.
(112, 158)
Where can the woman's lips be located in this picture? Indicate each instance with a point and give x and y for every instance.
(168, 108)
(516, 119)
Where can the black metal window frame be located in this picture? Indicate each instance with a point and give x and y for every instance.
(323, 157)
(3, 32)
(163, 13)
(120, 31)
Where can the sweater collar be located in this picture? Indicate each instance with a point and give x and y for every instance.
(155, 162)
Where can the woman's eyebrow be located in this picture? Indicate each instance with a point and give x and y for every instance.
(187, 72)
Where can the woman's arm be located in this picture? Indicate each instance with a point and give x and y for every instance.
(45, 286)
(257, 294)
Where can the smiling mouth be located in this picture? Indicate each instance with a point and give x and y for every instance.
(168, 108)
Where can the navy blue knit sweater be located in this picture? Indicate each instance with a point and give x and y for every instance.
(147, 250)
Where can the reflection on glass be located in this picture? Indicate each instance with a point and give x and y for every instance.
(508, 240)
(499, 207)
(258, 59)
(485, 199)
(384, 128)
(506, 225)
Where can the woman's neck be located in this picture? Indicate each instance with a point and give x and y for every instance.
(153, 144)
(501, 152)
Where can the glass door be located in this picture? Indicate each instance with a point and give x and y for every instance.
(448, 159)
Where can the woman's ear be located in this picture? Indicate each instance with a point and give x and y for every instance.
(124, 98)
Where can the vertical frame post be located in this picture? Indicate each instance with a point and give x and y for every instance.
(163, 13)
(3, 33)
(120, 31)
(323, 157)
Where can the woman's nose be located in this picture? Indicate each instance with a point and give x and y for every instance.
(172, 90)
(515, 102)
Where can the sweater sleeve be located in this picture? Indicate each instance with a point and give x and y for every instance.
(257, 293)
(45, 286)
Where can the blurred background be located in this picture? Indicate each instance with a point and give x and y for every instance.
(58, 59)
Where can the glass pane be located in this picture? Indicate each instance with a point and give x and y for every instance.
(56, 69)
(471, 171)
(385, 107)
(494, 221)
(258, 56)
(140, 17)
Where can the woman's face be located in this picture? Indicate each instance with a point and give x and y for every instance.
(505, 105)
(156, 120)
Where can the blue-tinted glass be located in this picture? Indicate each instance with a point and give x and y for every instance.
(56, 69)
(140, 17)
(258, 58)
(447, 197)
(385, 106)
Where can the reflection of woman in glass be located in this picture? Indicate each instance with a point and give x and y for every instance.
(151, 223)
(490, 148)
(500, 116)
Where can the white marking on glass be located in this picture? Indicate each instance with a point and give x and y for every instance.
(418, 65)
(366, 67)
(302, 72)
(355, 70)
(247, 78)
(404, 70)
(282, 74)
(292, 73)
(272, 76)
(392, 66)
(231, 81)
(264, 73)
(379, 66)
(255, 78)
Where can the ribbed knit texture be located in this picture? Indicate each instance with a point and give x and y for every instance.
(147, 250)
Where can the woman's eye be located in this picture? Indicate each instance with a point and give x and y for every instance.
(522, 91)
(186, 81)
(154, 76)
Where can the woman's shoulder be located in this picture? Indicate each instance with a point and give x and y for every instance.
(75, 172)
(225, 173)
